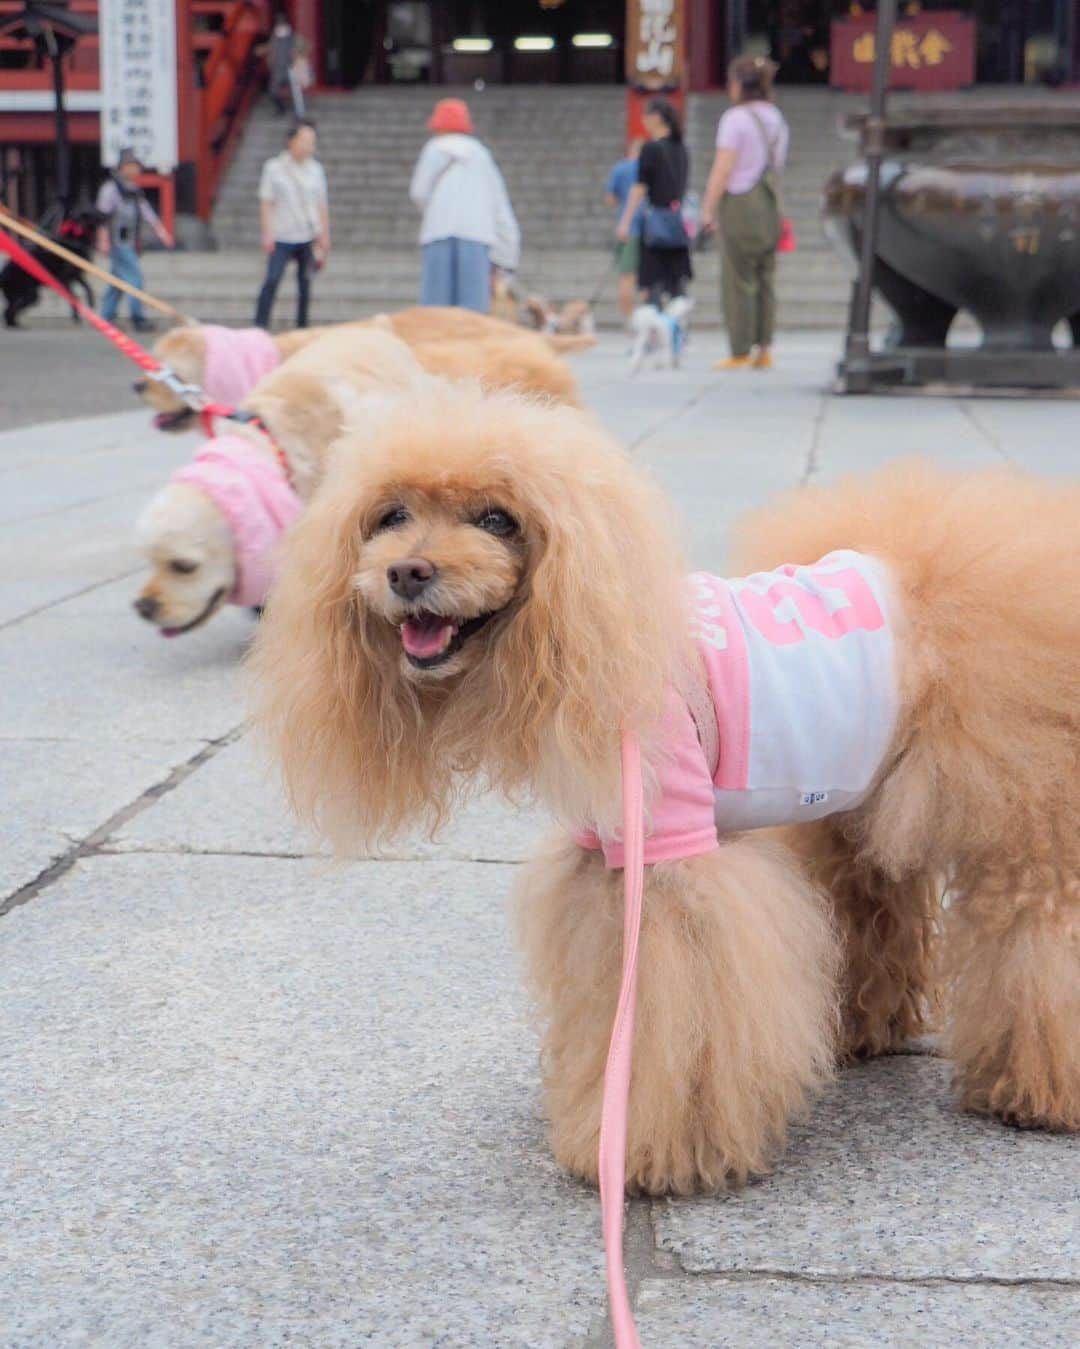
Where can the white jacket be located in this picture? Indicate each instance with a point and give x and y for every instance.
(458, 187)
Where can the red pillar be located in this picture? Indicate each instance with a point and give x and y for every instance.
(703, 29)
(307, 22)
(186, 106)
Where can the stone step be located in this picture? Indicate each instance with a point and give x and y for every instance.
(555, 147)
(369, 140)
(222, 286)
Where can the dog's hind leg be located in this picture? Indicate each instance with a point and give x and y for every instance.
(889, 933)
(736, 1008)
(1013, 965)
(83, 285)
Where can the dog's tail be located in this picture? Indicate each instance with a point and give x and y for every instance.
(565, 343)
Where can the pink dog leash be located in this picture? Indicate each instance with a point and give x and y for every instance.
(612, 1161)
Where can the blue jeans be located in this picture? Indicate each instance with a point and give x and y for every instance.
(124, 263)
(280, 258)
(456, 272)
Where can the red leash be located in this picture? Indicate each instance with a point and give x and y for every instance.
(189, 394)
(40, 273)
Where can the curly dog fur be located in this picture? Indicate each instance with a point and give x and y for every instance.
(557, 598)
(983, 794)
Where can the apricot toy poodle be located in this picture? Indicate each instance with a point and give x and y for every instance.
(488, 588)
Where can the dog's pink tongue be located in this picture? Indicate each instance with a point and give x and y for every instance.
(426, 636)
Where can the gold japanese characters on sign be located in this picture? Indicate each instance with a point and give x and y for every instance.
(909, 50)
(654, 43)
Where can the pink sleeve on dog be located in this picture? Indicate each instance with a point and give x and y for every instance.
(680, 815)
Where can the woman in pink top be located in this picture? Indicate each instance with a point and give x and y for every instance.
(751, 147)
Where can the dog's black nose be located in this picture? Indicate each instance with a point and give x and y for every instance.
(139, 386)
(410, 576)
(146, 607)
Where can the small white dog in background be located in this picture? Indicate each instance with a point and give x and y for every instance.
(659, 334)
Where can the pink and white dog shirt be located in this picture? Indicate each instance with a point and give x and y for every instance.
(801, 675)
(257, 503)
(236, 359)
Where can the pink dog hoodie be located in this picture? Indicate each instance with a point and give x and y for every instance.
(236, 359)
(258, 505)
(797, 710)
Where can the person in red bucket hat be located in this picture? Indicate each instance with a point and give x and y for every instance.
(452, 115)
(468, 225)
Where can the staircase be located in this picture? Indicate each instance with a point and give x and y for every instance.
(555, 146)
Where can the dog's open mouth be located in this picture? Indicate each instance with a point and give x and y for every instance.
(173, 421)
(215, 600)
(430, 639)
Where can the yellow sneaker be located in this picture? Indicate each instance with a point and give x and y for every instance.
(733, 363)
(763, 360)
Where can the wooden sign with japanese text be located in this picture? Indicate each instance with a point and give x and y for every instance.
(929, 51)
(138, 81)
(655, 44)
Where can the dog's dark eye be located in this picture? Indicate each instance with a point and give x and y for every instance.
(496, 522)
(394, 519)
(183, 568)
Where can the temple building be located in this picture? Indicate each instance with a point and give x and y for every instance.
(679, 45)
(544, 41)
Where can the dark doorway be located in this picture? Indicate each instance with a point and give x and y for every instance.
(408, 45)
(530, 41)
(349, 36)
(1024, 41)
(794, 33)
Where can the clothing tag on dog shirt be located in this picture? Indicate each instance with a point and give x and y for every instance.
(813, 798)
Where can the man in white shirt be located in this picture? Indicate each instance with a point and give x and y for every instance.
(295, 219)
(468, 223)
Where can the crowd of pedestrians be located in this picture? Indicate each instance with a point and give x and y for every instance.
(468, 232)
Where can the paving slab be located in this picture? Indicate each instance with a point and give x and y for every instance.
(248, 1099)
(235, 804)
(889, 1178)
(57, 793)
(858, 434)
(49, 559)
(796, 1314)
(88, 669)
(248, 1104)
(53, 488)
(96, 378)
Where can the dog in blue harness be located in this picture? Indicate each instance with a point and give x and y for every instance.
(659, 334)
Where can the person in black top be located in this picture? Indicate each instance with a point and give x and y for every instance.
(663, 174)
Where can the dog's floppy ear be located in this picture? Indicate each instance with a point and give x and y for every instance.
(600, 633)
(183, 349)
(345, 728)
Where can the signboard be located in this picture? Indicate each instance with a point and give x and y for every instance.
(138, 81)
(655, 44)
(928, 51)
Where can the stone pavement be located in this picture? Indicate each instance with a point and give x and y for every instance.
(250, 1099)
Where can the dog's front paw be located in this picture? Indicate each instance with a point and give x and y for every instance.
(686, 1162)
(1025, 1096)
